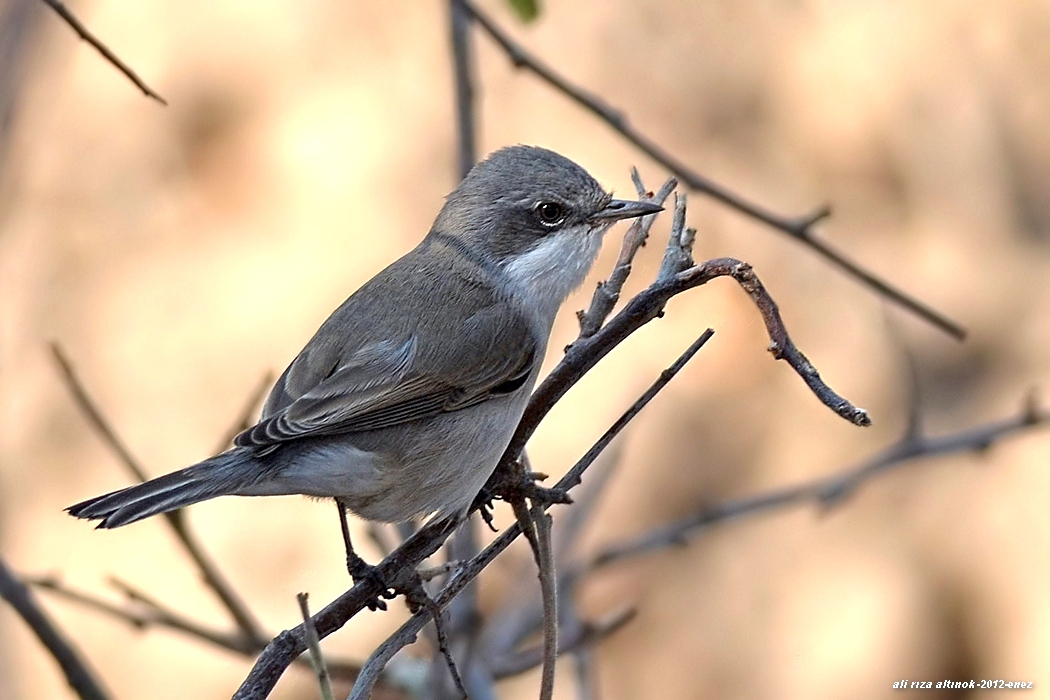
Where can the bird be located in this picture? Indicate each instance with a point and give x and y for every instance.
(404, 400)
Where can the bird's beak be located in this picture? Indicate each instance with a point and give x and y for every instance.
(623, 209)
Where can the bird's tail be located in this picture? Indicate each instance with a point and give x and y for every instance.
(222, 475)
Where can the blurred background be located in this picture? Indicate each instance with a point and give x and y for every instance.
(180, 253)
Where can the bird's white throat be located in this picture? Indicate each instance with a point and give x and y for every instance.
(544, 276)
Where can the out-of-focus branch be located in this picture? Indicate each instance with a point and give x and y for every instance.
(143, 612)
(314, 646)
(799, 228)
(240, 613)
(460, 21)
(107, 54)
(580, 635)
(244, 418)
(77, 673)
(825, 492)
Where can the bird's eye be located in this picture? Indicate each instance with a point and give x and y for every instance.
(550, 213)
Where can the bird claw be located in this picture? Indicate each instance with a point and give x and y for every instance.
(361, 571)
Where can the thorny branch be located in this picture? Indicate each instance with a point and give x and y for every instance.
(799, 228)
(107, 54)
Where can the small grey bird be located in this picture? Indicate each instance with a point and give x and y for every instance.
(404, 400)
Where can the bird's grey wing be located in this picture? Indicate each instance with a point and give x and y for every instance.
(387, 383)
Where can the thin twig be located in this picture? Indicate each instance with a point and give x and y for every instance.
(443, 646)
(75, 668)
(460, 21)
(608, 292)
(440, 570)
(238, 610)
(535, 524)
(549, 593)
(678, 254)
(324, 681)
(584, 635)
(825, 492)
(781, 345)
(90, 38)
(799, 228)
(146, 612)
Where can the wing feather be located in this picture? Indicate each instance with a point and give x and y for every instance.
(390, 382)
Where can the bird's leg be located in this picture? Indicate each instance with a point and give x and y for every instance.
(359, 569)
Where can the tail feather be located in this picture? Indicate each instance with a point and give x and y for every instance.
(222, 475)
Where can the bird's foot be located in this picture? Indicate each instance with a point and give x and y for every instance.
(362, 571)
(520, 485)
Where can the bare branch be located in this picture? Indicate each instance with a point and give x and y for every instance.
(288, 645)
(799, 228)
(80, 678)
(94, 415)
(209, 571)
(647, 305)
(549, 593)
(107, 54)
(535, 523)
(826, 492)
(781, 345)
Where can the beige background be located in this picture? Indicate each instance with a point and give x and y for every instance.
(179, 253)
